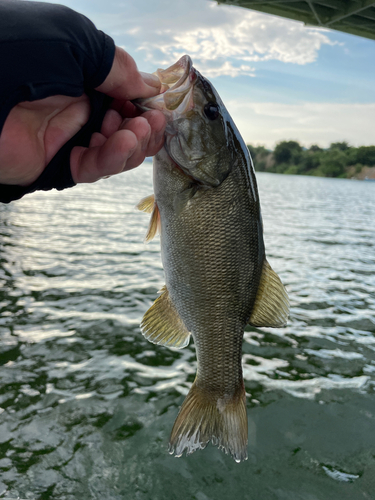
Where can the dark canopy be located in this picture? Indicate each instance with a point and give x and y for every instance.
(354, 16)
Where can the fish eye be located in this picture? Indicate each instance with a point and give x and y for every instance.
(211, 110)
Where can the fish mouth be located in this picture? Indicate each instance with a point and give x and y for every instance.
(178, 98)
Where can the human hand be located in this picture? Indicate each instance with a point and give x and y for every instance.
(35, 131)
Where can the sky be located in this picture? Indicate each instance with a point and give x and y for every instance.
(279, 79)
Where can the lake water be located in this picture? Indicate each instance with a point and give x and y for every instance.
(87, 404)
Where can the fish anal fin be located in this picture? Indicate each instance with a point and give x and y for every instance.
(271, 307)
(162, 324)
(204, 417)
(154, 224)
(146, 204)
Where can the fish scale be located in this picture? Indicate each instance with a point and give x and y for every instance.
(206, 207)
(222, 286)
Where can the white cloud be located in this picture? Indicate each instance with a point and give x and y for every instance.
(228, 69)
(320, 123)
(221, 39)
(248, 36)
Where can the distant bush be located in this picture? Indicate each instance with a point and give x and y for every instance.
(289, 157)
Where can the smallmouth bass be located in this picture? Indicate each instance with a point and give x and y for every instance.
(206, 208)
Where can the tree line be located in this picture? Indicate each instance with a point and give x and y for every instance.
(339, 160)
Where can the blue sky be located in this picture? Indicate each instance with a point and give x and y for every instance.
(278, 79)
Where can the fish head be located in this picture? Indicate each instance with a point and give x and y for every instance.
(199, 133)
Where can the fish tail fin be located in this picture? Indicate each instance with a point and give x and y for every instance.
(203, 418)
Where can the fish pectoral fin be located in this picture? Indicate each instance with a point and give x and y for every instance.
(146, 204)
(271, 306)
(154, 225)
(183, 198)
(163, 325)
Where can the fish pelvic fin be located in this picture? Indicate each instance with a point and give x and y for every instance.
(150, 206)
(163, 325)
(154, 225)
(271, 307)
(146, 204)
(203, 418)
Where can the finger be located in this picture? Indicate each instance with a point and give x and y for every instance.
(123, 150)
(125, 82)
(150, 140)
(157, 122)
(97, 140)
(141, 128)
(125, 108)
(93, 163)
(111, 122)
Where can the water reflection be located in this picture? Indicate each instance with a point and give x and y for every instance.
(87, 404)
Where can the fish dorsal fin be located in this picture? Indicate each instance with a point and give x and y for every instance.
(146, 204)
(154, 224)
(162, 324)
(271, 306)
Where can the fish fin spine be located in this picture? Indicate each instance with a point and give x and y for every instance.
(162, 324)
(271, 307)
(204, 418)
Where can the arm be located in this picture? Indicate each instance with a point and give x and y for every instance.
(58, 130)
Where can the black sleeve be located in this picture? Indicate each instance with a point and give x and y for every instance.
(48, 49)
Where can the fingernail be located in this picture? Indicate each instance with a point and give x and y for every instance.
(151, 80)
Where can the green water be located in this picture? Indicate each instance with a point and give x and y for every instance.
(87, 404)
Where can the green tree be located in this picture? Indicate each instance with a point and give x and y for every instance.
(341, 146)
(287, 152)
(364, 155)
(289, 157)
(315, 149)
(310, 161)
(333, 163)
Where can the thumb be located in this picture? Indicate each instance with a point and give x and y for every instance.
(125, 82)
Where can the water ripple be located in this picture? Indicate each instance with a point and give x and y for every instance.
(87, 403)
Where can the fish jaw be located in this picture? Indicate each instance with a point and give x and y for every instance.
(198, 143)
(178, 81)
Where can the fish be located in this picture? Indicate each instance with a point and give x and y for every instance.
(206, 208)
